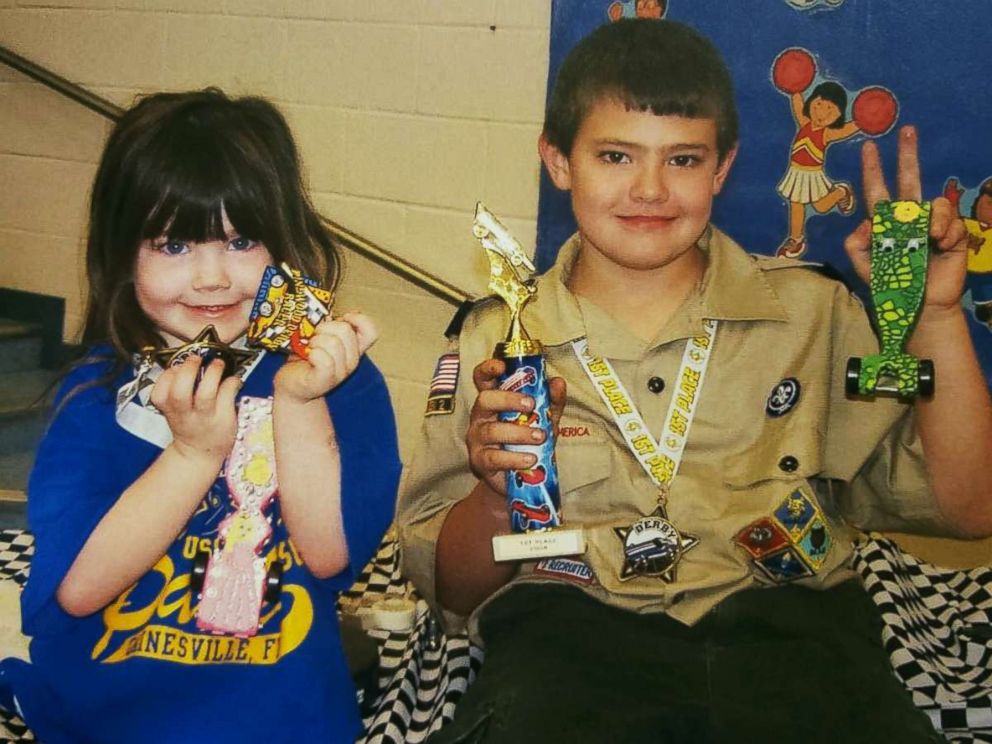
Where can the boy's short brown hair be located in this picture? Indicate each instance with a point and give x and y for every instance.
(648, 65)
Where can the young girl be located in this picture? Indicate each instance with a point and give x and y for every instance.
(819, 122)
(195, 195)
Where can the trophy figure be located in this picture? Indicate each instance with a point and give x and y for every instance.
(533, 497)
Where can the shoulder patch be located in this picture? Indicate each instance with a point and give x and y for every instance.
(444, 383)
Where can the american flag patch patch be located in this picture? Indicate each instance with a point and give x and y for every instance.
(441, 396)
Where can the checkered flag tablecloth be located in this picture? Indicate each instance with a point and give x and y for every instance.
(422, 674)
(16, 549)
(938, 633)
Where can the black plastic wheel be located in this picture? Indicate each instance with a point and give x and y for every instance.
(199, 572)
(273, 582)
(852, 380)
(926, 378)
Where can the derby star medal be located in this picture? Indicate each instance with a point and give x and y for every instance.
(653, 546)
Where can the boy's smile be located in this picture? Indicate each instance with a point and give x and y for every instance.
(642, 185)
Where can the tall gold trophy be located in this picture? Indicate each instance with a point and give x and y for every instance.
(533, 497)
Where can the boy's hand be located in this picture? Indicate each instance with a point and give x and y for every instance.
(486, 433)
(335, 350)
(948, 264)
(201, 415)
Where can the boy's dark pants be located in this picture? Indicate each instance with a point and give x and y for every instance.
(778, 665)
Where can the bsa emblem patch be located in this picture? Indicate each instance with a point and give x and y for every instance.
(790, 544)
(653, 546)
(441, 395)
(568, 569)
(783, 397)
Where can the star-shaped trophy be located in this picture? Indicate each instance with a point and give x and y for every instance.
(206, 345)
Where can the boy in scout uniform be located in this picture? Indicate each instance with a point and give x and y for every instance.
(714, 600)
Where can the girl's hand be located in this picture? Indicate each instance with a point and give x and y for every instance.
(201, 415)
(948, 236)
(486, 434)
(335, 349)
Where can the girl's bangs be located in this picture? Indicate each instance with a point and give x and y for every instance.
(192, 195)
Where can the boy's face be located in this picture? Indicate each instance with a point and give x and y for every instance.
(642, 185)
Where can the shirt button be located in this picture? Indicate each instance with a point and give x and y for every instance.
(788, 464)
(656, 385)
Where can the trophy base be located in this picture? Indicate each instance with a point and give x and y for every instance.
(538, 544)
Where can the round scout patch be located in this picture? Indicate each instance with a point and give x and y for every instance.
(783, 397)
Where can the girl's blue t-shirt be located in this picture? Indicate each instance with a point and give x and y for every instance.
(140, 670)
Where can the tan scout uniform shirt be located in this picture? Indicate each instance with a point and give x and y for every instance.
(857, 461)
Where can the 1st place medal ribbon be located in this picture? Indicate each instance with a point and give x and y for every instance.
(652, 545)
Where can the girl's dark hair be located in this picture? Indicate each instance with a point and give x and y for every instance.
(660, 66)
(833, 92)
(173, 164)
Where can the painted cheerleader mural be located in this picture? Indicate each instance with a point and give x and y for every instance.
(820, 120)
(978, 221)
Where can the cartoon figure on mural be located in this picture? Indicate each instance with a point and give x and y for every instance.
(820, 121)
(637, 9)
(978, 221)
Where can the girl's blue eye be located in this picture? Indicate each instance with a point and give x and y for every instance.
(173, 247)
(241, 244)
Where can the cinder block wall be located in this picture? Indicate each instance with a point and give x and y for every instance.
(406, 113)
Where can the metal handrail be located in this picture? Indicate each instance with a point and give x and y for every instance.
(363, 247)
(61, 85)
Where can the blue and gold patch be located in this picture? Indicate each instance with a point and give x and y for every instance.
(785, 565)
(792, 543)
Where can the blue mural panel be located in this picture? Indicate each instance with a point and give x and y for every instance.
(880, 65)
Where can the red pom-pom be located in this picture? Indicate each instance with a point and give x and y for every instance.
(875, 110)
(793, 70)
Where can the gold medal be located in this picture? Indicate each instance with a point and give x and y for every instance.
(653, 546)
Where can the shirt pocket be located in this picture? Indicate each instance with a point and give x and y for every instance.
(790, 453)
(582, 464)
(772, 514)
